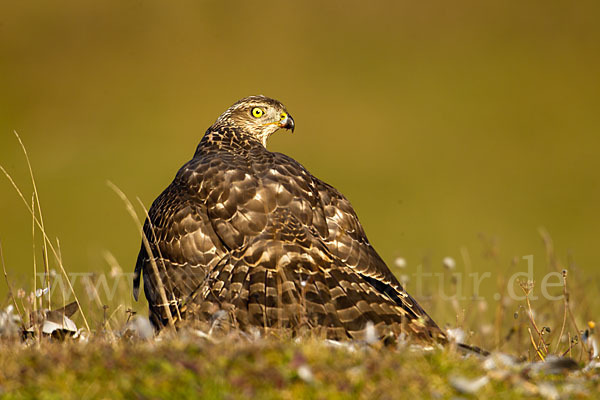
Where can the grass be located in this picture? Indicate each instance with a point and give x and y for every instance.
(541, 347)
(192, 367)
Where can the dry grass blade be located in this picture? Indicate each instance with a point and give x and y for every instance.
(112, 315)
(162, 263)
(132, 213)
(39, 208)
(33, 246)
(47, 243)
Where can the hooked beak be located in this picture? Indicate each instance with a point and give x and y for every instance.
(287, 122)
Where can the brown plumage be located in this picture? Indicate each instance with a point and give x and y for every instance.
(252, 233)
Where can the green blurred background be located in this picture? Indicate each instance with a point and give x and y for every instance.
(438, 120)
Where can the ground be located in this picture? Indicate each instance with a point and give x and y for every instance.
(189, 366)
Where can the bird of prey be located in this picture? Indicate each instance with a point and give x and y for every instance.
(252, 235)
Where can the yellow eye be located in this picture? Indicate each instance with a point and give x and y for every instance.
(257, 112)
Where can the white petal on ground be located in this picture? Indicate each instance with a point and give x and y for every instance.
(468, 386)
(305, 373)
(548, 391)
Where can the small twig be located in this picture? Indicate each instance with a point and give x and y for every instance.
(566, 306)
(572, 318)
(91, 288)
(572, 342)
(526, 289)
(130, 314)
(537, 349)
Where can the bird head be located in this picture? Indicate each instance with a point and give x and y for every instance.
(257, 116)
